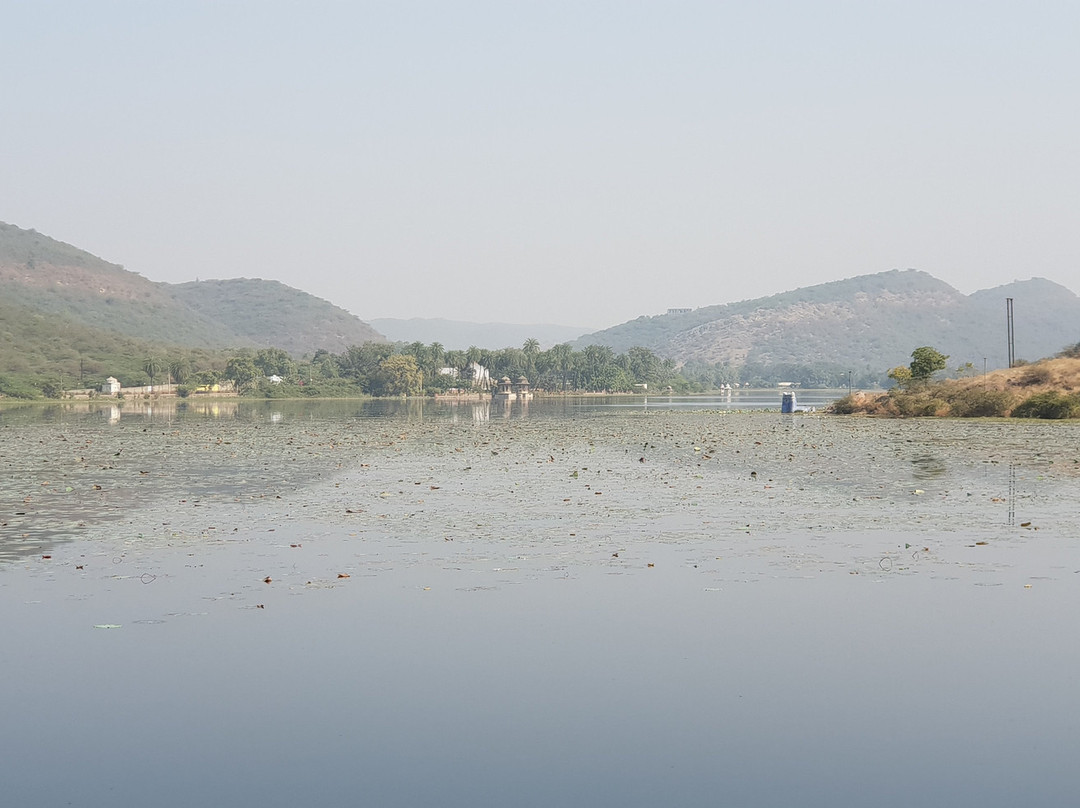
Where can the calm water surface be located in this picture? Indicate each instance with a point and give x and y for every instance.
(574, 603)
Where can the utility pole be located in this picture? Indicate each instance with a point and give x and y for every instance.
(1012, 335)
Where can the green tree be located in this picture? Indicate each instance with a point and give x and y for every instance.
(206, 378)
(531, 349)
(644, 366)
(562, 360)
(400, 375)
(275, 362)
(901, 375)
(925, 362)
(435, 355)
(152, 366)
(360, 363)
(180, 370)
(242, 371)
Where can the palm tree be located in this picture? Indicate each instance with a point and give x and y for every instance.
(563, 356)
(180, 370)
(435, 354)
(152, 365)
(531, 349)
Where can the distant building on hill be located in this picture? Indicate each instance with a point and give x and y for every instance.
(679, 311)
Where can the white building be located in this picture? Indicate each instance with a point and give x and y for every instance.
(480, 376)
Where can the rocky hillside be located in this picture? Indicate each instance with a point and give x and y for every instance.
(867, 322)
(44, 278)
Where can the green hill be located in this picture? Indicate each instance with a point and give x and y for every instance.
(65, 311)
(871, 322)
(271, 314)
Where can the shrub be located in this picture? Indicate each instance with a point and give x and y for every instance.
(16, 389)
(1051, 404)
(1035, 374)
(845, 406)
(917, 405)
(975, 403)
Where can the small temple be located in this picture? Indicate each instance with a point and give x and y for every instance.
(506, 390)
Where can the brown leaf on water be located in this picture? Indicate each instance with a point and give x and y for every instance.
(343, 575)
(46, 556)
(980, 543)
(1025, 524)
(267, 579)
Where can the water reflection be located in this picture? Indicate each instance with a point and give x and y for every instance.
(928, 467)
(418, 409)
(517, 624)
(1012, 495)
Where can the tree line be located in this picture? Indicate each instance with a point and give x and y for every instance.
(389, 369)
(415, 368)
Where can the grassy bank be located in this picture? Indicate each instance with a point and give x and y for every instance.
(1049, 388)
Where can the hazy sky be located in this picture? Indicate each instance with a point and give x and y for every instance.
(576, 163)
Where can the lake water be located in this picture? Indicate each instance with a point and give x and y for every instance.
(578, 602)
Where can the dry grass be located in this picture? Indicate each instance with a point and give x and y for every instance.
(1052, 383)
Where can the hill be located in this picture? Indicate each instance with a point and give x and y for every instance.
(61, 302)
(270, 314)
(871, 322)
(455, 335)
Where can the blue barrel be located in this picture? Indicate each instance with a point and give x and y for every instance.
(787, 402)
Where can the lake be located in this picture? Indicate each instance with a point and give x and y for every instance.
(574, 602)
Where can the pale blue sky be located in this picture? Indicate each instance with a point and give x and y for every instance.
(576, 163)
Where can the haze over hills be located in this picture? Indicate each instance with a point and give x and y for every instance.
(62, 308)
(868, 322)
(270, 314)
(44, 277)
(455, 335)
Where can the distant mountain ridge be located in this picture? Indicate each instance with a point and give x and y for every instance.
(63, 310)
(42, 276)
(456, 335)
(867, 322)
